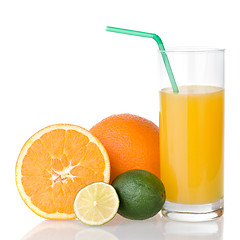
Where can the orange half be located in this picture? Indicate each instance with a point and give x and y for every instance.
(54, 164)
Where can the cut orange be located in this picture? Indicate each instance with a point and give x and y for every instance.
(54, 164)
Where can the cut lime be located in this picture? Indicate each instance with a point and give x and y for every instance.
(96, 204)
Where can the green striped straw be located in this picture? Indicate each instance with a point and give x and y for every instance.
(160, 46)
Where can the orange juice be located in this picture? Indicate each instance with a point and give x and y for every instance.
(191, 144)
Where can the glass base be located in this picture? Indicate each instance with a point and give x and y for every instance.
(193, 212)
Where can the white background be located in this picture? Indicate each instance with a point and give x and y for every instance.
(58, 65)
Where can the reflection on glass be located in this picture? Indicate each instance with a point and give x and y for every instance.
(66, 230)
(137, 229)
(94, 233)
(120, 228)
(50, 229)
(212, 230)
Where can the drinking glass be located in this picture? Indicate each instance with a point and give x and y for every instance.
(191, 128)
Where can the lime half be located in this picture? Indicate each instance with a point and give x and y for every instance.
(96, 204)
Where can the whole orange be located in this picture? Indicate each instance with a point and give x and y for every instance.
(132, 142)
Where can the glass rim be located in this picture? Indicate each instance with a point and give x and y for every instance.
(192, 49)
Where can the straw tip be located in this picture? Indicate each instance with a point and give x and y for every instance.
(107, 28)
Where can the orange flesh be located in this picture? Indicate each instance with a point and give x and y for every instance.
(57, 166)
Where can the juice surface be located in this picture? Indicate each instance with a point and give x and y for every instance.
(191, 144)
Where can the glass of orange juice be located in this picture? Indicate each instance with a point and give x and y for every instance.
(191, 127)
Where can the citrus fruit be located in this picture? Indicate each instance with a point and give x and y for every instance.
(132, 142)
(141, 194)
(96, 204)
(54, 164)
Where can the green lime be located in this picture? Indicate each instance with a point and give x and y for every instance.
(141, 194)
